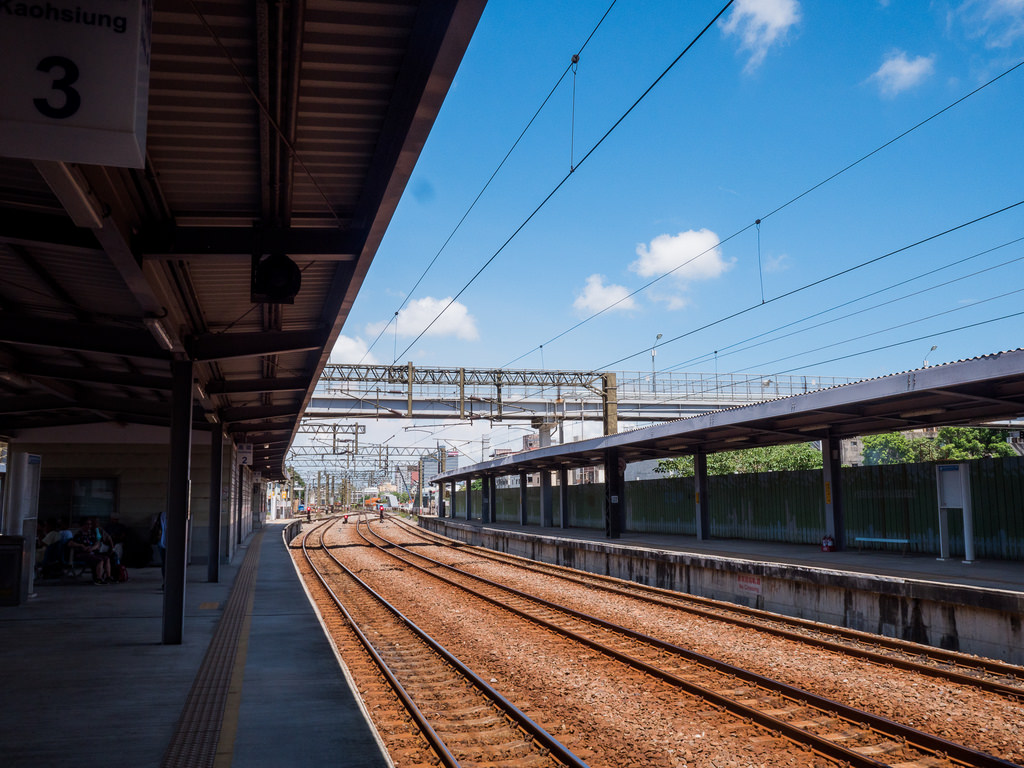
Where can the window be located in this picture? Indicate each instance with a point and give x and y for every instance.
(69, 499)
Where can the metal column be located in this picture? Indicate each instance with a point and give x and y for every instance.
(831, 465)
(487, 500)
(546, 512)
(177, 501)
(614, 485)
(522, 498)
(563, 497)
(702, 506)
(469, 498)
(216, 493)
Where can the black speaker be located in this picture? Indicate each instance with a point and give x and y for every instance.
(274, 279)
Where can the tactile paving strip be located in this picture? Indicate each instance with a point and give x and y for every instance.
(194, 744)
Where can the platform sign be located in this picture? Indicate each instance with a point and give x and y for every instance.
(244, 452)
(747, 584)
(74, 79)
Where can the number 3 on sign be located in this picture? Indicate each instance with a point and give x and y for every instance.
(68, 77)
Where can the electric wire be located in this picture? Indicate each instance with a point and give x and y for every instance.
(913, 340)
(818, 282)
(491, 178)
(561, 183)
(906, 324)
(807, 286)
(806, 318)
(785, 205)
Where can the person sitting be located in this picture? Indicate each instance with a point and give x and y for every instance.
(54, 540)
(86, 548)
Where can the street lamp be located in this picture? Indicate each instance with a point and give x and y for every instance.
(654, 381)
(934, 347)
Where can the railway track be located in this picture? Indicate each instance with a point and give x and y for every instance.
(828, 728)
(989, 675)
(460, 719)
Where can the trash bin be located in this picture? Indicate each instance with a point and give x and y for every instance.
(13, 585)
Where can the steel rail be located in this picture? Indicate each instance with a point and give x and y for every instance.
(711, 610)
(883, 726)
(436, 742)
(512, 712)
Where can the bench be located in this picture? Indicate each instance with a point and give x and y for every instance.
(873, 540)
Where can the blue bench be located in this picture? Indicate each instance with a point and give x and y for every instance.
(875, 540)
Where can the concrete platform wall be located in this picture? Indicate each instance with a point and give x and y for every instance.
(985, 622)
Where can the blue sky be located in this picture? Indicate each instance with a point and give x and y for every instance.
(773, 100)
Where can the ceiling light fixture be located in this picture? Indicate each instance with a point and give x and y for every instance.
(163, 338)
(922, 412)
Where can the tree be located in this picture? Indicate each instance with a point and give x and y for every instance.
(768, 458)
(893, 448)
(965, 443)
(950, 444)
(296, 478)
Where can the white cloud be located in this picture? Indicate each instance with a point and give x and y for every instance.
(760, 24)
(597, 296)
(691, 255)
(351, 350)
(686, 258)
(778, 263)
(898, 73)
(999, 23)
(417, 314)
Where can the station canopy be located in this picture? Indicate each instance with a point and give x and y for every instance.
(979, 391)
(279, 139)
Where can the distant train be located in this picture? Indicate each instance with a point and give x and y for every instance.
(389, 500)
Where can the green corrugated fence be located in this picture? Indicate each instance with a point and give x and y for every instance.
(893, 501)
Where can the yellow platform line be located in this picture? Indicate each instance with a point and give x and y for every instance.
(210, 715)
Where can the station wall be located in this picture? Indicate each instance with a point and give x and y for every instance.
(131, 463)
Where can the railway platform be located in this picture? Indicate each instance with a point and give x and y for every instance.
(87, 681)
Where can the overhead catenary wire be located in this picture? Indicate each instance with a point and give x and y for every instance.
(572, 66)
(757, 222)
(761, 366)
(569, 175)
(915, 321)
(820, 281)
(807, 286)
(847, 303)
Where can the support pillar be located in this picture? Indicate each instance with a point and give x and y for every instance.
(216, 494)
(831, 465)
(179, 468)
(614, 487)
(455, 507)
(522, 498)
(440, 499)
(546, 512)
(701, 505)
(563, 497)
(487, 500)
(469, 498)
(492, 492)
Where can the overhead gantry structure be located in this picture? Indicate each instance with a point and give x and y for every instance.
(543, 397)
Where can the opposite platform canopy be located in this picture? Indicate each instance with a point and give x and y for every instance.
(969, 392)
